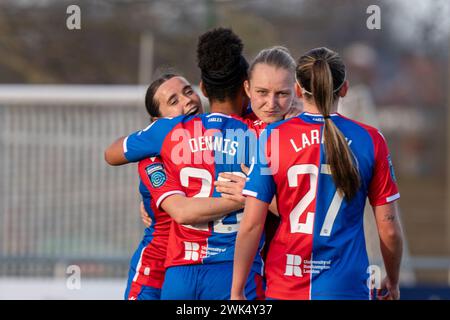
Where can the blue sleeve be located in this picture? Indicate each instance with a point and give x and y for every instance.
(148, 142)
(251, 145)
(260, 183)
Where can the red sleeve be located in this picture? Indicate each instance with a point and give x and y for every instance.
(383, 186)
(253, 122)
(157, 179)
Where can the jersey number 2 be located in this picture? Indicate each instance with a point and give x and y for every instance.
(206, 178)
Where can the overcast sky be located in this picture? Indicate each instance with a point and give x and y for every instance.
(406, 18)
(412, 13)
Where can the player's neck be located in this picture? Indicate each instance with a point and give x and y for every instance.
(311, 107)
(227, 107)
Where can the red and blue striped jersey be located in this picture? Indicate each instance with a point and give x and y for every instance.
(195, 149)
(193, 242)
(318, 251)
(149, 267)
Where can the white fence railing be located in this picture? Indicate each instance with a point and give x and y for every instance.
(59, 200)
(60, 203)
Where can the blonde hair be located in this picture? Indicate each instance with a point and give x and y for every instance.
(277, 56)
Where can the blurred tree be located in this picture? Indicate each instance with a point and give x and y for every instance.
(38, 48)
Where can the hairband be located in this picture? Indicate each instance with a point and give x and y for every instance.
(334, 91)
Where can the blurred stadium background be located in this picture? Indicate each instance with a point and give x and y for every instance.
(65, 95)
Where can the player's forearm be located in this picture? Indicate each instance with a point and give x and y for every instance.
(391, 239)
(114, 153)
(392, 249)
(186, 210)
(200, 210)
(246, 246)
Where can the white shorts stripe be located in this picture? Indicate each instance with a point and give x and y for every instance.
(138, 267)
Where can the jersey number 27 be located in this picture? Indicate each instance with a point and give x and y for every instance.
(300, 209)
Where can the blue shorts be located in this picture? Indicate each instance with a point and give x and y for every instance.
(207, 282)
(136, 290)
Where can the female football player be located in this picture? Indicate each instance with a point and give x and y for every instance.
(169, 95)
(322, 167)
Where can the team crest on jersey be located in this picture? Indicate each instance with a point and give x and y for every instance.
(391, 169)
(156, 174)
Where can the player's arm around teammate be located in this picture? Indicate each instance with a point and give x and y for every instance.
(169, 96)
(231, 189)
(114, 155)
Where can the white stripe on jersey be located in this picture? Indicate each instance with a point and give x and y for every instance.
(318, 114)
(392, 198)
(165, 195)
(125, 149)
(218, 114)
(249, 193)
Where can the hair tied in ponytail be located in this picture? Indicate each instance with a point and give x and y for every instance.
(322, 72)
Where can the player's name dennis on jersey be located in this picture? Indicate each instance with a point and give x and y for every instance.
(213, 143)
(308, 139)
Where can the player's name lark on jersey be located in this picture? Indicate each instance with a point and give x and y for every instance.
(308, 139)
